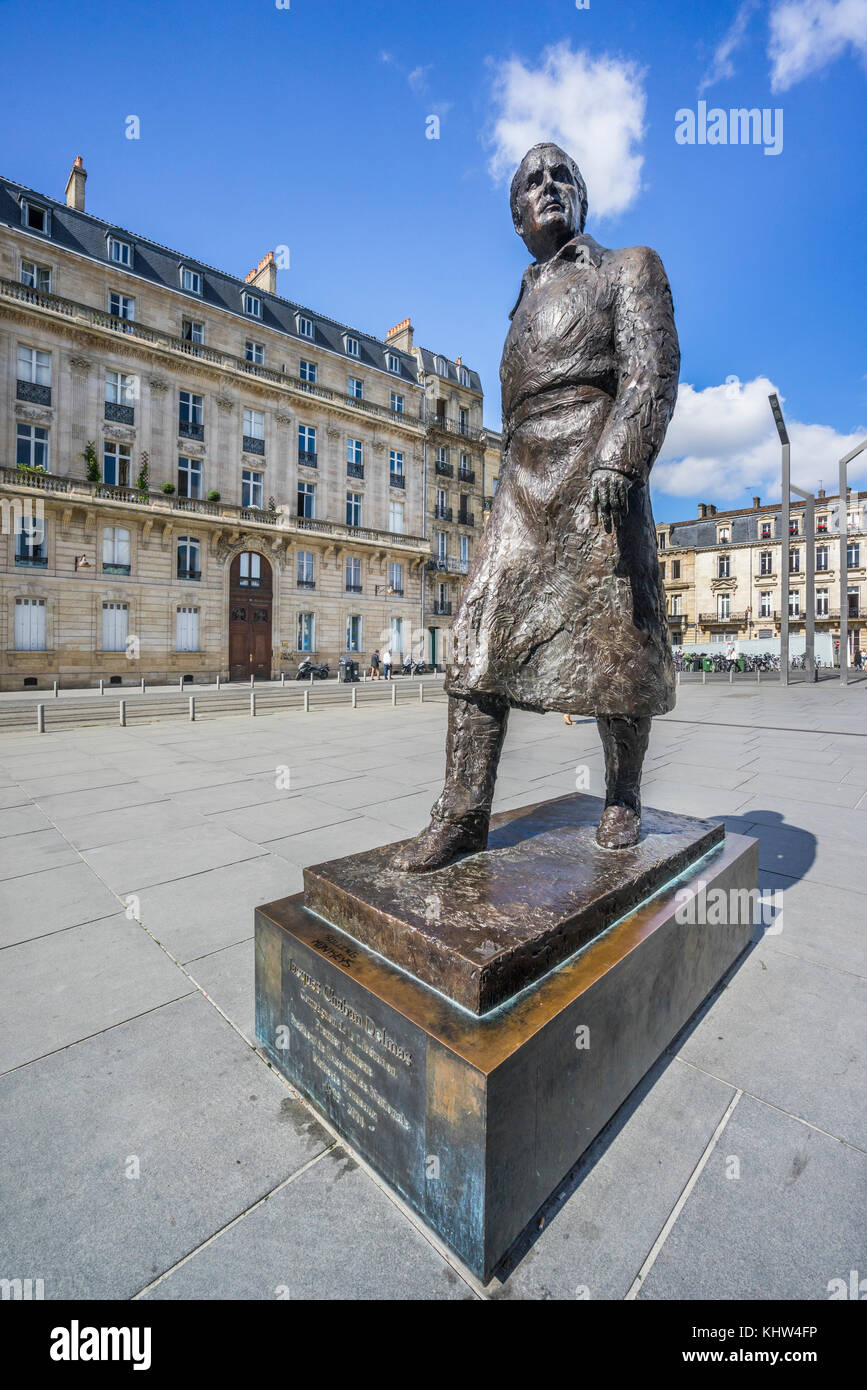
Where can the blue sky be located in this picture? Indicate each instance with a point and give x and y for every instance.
(306, 127)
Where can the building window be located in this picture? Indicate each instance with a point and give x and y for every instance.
(306, 632)
(37, 218)
(32, 447)
(821, 525)
(116, 463)
(36, 277)
(353, 633)
(395, 577)
(254, 352)
(675, 610)
(852, 520)
(765, 603)
(822, 557)
(353, 575)
(352, 347)
(121, 306)
(115, 627)
(30, 549)
(442, 546)
(795, 604)
(307, 445)
(250, 570)
(441, 506)
(395, 518)
(187, 630)
(853, 555)
(821, 603)
(254, 432)
(853, 602)
(306, 576)
(464, 376)
(189, 558)
(766, 562)
(660, 540)
(115, 550)
(119, 251)
(252, 305)
(353, 508)
(675, 569)
(190, 478)
(723, 566)
(305, 328)
(119, 388)
(794, 562)
(354, 458)
(355, 388)
(393, 363)
(463, 420)
(30, 625)
(723, 606)
(766, 531)
(464, 545)
(723, 535)
(307, 500)
(191, 415)
(191, 281)
(193, 331)
(397, 402)
(251, 488)
(395, 637)
(441, 367)
(307, 372)
(395, 467)
(34, 366)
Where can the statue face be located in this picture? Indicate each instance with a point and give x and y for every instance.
(548, 205)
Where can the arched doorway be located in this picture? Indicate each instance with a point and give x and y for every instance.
(251, 597)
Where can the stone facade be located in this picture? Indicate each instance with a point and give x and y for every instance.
(211, 434)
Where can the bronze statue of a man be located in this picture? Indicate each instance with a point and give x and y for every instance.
(564, 607)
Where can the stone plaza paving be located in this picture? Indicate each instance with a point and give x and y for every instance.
(147, 1149)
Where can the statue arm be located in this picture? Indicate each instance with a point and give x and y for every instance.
(648, 359)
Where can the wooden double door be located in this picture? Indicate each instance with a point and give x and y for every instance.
(251, 599)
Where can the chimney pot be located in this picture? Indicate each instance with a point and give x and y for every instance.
(401, 335)
(757, 502)
(75, 185)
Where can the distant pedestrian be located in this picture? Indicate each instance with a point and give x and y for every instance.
(386, 663)
(374, 666)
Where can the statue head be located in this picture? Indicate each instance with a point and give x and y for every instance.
(548, 198)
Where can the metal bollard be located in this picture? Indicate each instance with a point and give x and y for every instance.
(282, 677)
(143, 685)
(192, 709)
(731, 674)
(758, 676)
(703, 676)
(311, 678)
(121, 710)
(252, 681)
(218, 680)
(180, 682)
(306, 701)
(101, 686)
(354, 698)
(40, 719)
(678, 679)
(55, 690)
(421, 694)
(252, 704)
(393, 693)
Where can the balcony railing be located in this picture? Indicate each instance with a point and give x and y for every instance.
(121, 414)
(354, 589)
(307, 458)
(448, 564)
(115, 569)
(252, 445)
(355, 470)
(442, 513)
(188, 429)
(189, 574)
(445, 470)
(397, 480)
(73, 311)
(32, 391)
(442, 609)
(466, 475)
(466, 518)
(31, 561)
(439, 422)
(723, 619)
(305, 583)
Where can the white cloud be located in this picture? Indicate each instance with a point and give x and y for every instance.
(721, 65)
(417, 79)
(593, 107)
(722, 443)
(807, 35)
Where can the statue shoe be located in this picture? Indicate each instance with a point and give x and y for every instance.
(619, 828)
(437, 845)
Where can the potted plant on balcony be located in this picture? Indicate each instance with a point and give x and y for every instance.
(213, 495)
(143, 478)
(168, 489)
(90, 458)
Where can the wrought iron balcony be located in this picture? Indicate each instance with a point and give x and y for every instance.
(442, 609)
(355, 470)
(305, 583)
(307, 458)
(466, 475)
(466, 518)
(354, 589)
(442, 513)
(188, 429)
(440, 422)
(31, 559)
(189, 574)
(115, 569)
(121, 414)
(32, 391)
(252, 445)
(397, 480)
(445, 470)
(723, 619)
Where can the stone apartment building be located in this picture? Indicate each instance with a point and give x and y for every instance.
(722, 571)
(201, 476)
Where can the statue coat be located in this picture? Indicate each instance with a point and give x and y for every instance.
(557, 613)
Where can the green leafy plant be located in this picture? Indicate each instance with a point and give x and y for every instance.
(213, 495)
(30, 468)
(168, 489)
(144, 473)
(91, 459)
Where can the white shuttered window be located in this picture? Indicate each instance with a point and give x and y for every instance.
(187, 630)
(115, 627)
(30, 624)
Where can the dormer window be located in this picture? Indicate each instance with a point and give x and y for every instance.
(822, 524)
(441, 367)
(352, 346)
(393, 363)
(35, 217)
(191, 280)
(119, 251)
(723, 535)
(661, 540)
(252, 305)
(464, 377)
(305, 326)
(766, 530)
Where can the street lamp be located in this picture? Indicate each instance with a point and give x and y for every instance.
(788, 487)
(844, 562)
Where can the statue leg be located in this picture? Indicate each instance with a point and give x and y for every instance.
(625, 744)
(461, 814)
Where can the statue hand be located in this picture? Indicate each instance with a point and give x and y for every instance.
(609, 497)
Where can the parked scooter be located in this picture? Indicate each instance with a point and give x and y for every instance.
(413, 668)
(309, 669)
